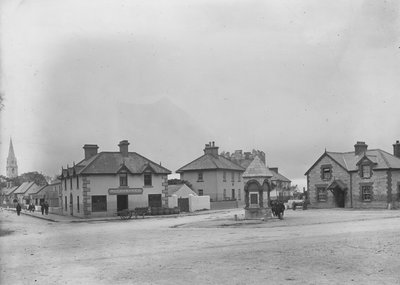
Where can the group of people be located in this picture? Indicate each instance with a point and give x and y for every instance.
(44, 207)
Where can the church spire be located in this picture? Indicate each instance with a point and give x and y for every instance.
(12, 167)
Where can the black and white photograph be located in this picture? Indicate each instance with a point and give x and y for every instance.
(199, 142)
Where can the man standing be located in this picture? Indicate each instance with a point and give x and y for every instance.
(18, 208)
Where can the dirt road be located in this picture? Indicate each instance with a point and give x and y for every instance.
(308, 247)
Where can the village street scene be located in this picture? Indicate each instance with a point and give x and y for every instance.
(200, 142)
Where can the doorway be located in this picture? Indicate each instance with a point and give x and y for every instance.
(233, 194)
(339, 195)
(122, 202)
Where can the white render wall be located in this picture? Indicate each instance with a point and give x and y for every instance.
(197, 203)
(100, 184)
(213, 184)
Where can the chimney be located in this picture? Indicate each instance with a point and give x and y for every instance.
(396, 149)
(211, 149)
(274, 169)
(360, 148)
(123, 147)
(90, 150)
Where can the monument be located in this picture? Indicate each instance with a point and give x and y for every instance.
(257, 183)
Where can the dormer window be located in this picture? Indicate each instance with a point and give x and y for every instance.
(365, 171)
(147, 179)
(123, 179)
(326, 172)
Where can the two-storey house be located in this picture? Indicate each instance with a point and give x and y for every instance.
(214, 175)
(361, 178)
(106, 182)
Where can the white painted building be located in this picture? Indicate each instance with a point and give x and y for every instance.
(106, 182)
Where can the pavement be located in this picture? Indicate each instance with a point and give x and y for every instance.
(73, 219)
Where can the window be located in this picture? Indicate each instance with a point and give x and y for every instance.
(200, 176)
(254, 199)
(65, 184)
(123, 179)
(322, 194)
(233, 177)
(70, 183)
(366, 171)
(238, 177)
(77, 203)
(200, 191)
(233, 194)
(224, 194)
(239, 195)
(147, 179)
(366, 192)
(224, 176)
(77, 182)
(66, 205)
(99, 203)
(326, 173)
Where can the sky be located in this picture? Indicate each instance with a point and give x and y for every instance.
(290, 78)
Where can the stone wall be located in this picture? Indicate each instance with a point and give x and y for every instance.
(379, 183)
(315, 180)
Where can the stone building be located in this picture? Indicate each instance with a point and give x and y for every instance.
(363, 178)
(214, 175)
(106, 182)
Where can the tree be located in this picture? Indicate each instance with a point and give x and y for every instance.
(176, 181)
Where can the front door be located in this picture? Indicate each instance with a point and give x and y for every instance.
(339, 195)
(122, 202)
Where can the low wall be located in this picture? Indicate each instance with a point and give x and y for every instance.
(197, 203)
(220, 205)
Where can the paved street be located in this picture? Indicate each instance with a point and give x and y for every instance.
(307, 247)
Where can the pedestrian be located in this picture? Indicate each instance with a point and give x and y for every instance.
(46, 207)
(18, 208)
(32, 208)
(42, 207)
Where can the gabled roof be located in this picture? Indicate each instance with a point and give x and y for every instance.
(34, 189)
(278, 176)
(172, 189)
(257, 169)
(349, 160)
(8, 191)
(111, 162)
(24, 187)
(210, 162)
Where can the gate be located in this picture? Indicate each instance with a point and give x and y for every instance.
(183, 204)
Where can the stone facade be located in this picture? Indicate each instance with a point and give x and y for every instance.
(365, 178)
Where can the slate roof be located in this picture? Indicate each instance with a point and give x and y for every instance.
(34, 189)
(172, 189)
(278, 177)
(210, 162)
(111, 163)
(24, 187)
(8, 191)
(257, 169)
(348, 160)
